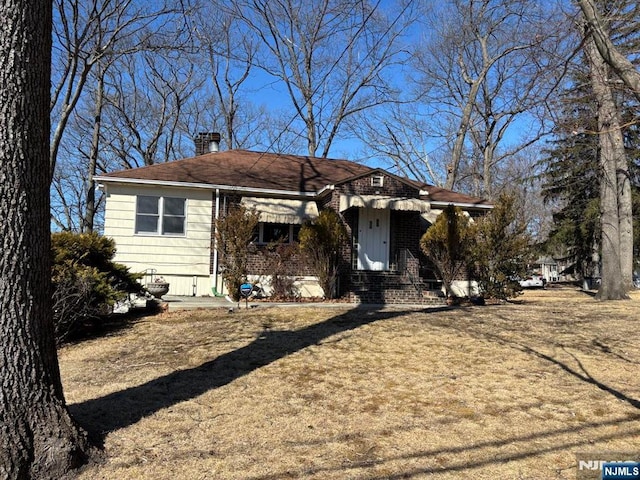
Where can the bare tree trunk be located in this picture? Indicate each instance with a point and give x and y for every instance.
(230, 55)
(331, 57)
(608, 51)
(458, 146)
(611, 156)
(625, 215)
(39, 439)
(482, 63)
(89, 216)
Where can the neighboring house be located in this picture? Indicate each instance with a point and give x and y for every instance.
(161, 218)
(553, 270)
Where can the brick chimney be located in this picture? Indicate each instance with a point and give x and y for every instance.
(207, 142)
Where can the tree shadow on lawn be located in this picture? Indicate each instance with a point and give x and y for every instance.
(581, 373)
(498, 451)
(483, 454)
(126, 407)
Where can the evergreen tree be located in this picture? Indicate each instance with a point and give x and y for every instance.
(501, 249)
(572, 178)
(448, 244)
(321, 242)
(571, 181)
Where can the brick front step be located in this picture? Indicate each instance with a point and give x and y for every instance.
(392, 288)
(395, 296)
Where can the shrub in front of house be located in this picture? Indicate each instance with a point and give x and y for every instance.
(86, 281)
(447, 243)
(281, 265)
(501, 250)
(320, 244)
(233, 233)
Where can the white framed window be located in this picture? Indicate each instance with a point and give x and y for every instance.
(157, 215)
(377, 180)
(276, 232)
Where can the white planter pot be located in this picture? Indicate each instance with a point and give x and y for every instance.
(157, 289)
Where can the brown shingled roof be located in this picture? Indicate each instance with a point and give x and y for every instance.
(244, 168)
(270, 171)
(437, 194)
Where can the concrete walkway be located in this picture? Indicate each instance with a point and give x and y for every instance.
(175, 303)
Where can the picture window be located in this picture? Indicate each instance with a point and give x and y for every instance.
(276, 232)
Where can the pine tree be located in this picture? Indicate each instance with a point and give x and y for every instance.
(571, 182)
(572, 178)
(448, 244)
(501, 249)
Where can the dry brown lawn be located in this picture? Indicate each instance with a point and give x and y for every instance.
(496, 392)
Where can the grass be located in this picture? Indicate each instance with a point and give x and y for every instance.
(501, 391)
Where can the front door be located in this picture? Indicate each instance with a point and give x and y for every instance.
(373, 239)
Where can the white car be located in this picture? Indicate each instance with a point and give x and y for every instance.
(533, 281)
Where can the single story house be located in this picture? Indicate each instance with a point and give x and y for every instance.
(162, 219)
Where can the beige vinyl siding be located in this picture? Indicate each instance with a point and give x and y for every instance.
(178, 258)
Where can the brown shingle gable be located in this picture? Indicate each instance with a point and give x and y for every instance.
(243, 168)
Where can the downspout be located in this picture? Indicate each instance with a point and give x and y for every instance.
(215, 247)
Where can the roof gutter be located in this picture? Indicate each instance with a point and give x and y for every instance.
(326, 189)
(205, 186)
(483, 206)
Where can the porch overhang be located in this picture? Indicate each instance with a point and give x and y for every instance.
(280, 210)
(383, 203)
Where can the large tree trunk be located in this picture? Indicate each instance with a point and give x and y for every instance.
(625, 216)
(608, 51)
(611, 156)
(38, 438)
(458, 146)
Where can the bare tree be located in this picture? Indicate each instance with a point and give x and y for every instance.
(512, 91)
(611, 147)
(399, 134)
(75, 202)
(39, 439)
(145, 99)
(484, 69)
(88, 39)
(88, 218)
(69, 195)
(229, 53)
(87, 33)
(615, 189)
(626, 70)
(331, 55)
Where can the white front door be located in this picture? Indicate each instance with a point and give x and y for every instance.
(373, 239)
